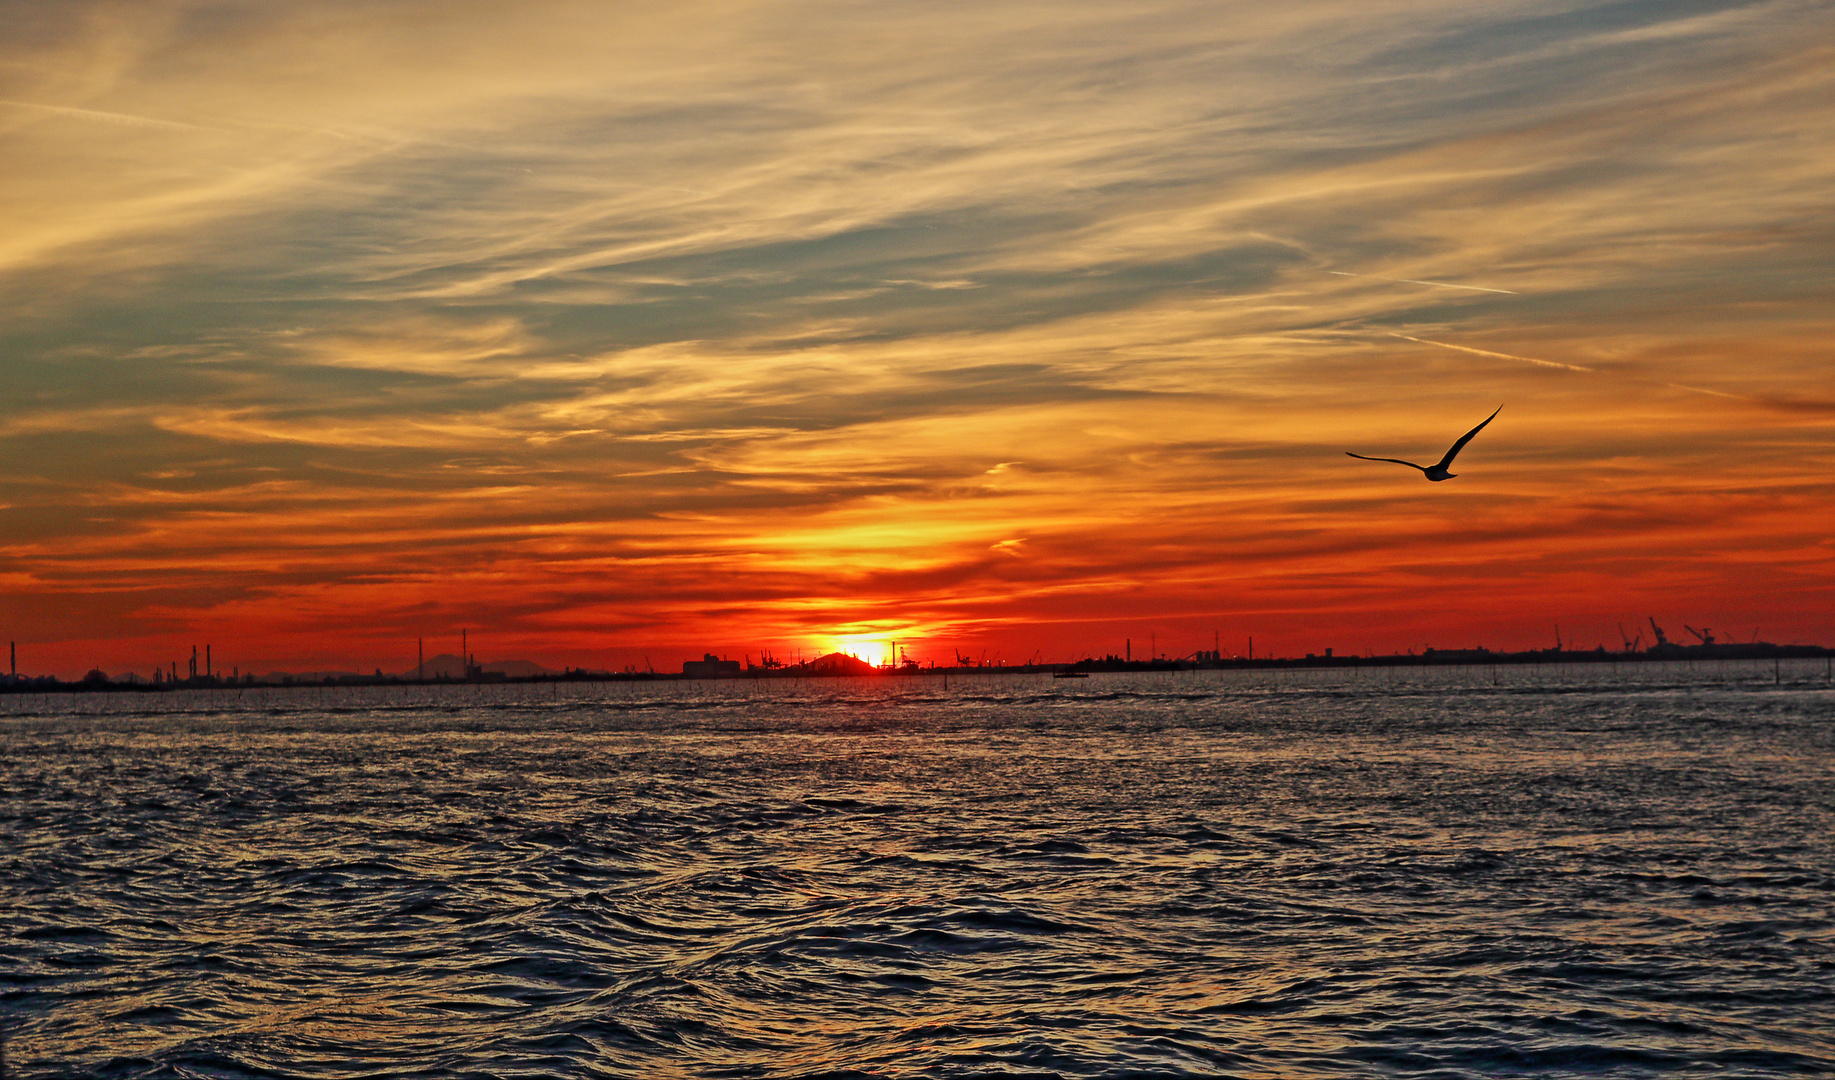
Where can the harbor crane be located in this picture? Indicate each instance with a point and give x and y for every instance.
(1662, 639)
(1705, 634)
(1630, 645)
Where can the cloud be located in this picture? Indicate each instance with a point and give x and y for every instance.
(597, 308)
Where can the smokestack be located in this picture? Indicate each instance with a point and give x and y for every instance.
(207, 668)
(464, 656)
(12, 655)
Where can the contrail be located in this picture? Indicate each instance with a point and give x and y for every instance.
(1705, 390)
(1438, 284)
(227, 126)
(1499, 355)
(1566, 367)
(109, 117)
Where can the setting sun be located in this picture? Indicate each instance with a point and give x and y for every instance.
(875, 650)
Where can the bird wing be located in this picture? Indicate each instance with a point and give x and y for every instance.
(1466, 438)
(1396, 460)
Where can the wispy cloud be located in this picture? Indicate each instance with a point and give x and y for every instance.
(649, 323)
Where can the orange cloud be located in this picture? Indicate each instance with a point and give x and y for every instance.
(614, 334)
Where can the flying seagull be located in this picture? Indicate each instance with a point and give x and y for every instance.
(1437, 471)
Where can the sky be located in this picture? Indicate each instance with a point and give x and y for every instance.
(616, 333)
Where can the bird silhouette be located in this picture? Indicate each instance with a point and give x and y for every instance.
(1437, 471)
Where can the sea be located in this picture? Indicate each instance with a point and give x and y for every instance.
(1543, 871)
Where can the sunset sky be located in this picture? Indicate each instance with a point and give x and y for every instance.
(626, 331)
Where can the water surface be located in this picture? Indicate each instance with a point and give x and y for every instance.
(1573, 871)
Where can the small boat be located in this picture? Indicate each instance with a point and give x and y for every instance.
(1070, 674)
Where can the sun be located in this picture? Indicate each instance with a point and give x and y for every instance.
(881, 646)
(875, 649)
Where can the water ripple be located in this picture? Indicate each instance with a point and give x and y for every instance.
(1323, 874)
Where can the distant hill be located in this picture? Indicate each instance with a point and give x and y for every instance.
(839, 664)
(443, 666)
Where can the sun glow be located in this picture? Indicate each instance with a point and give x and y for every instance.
(875, 649)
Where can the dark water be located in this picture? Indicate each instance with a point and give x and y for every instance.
(1565, 872)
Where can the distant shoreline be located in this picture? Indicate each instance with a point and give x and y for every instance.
(1428, 658)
